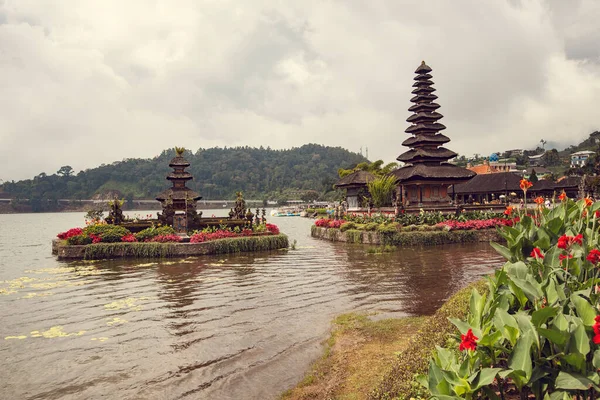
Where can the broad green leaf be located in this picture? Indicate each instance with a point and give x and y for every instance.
(520, 359)
(560, 322)
(572, 381)
(584, 309)
(554, 225)
(527, 328)
(503, 251)
(490, 339)
(581, 341)
(577, 360)
(596, 359)
(422, 379)
(542, 315)
(462, 326)
(556, 337)
(560, 395)
(485, 377)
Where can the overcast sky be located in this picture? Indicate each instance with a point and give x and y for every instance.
(91, 82)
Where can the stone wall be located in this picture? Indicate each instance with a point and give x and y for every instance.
(139, 250)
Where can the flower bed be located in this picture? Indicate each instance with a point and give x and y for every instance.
(537, 331)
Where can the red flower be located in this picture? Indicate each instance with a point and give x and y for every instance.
(594, 256)
(525, 184)
(468, 341)
(508, 210)
(588, 201)
(562, 257)
(539, 200)
(564, 242)
(597, 214)
(95, 238)
(537, 253)
(128, 238)
(563, 196)
(70, 233)
(272, 228)
(596, 327)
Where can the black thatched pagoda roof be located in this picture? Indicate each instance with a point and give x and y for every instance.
(490, 183)
(357, 178)
(426, 159)
(441, 172)
(179, 161)
(178, 194)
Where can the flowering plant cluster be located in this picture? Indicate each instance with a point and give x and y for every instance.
(222, 233)
(329, 223)
(537, 331)
(272, 228)
(70, 233)
(129, 238)
(478, 224)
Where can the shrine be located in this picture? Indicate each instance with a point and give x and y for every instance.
(425, 178)
(179, 201)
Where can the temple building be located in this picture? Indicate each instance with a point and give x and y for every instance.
(355, 185)
(425, 178)
(179, 201)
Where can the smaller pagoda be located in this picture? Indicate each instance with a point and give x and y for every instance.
(179, 201)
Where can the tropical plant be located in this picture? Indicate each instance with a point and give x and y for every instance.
(381, 190)
(537, 331)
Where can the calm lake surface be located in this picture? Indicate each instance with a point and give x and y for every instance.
(212, 327)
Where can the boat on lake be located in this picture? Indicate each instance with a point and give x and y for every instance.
(286, 212)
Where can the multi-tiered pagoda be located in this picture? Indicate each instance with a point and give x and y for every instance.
(425, 177)
(179, 199)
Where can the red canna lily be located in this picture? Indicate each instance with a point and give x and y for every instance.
(562, 257)
(588, 201)
(508, 210)
(468, 341)
(539, 200)
(562, 196)
(593, 256)
(536, 252)
(525, 184)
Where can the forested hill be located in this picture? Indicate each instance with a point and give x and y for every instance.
(218, 174)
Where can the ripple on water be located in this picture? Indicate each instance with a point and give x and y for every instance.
(227, 327)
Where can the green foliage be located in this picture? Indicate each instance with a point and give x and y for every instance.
(371, 226)
(153, 231)
(386, 228)
(218, 173)
(376, 168)
(347, 226)
(416, 238)
(79, 240)
(537, 325)
(248, 243)
(381, 190)
(101, 251)
(108, 233)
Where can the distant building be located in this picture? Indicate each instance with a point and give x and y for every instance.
(514, 152)
(488, 167)
(355, 185)
(580, 158)
(537, 160)
(540, 172)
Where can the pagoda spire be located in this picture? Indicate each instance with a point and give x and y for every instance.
(426, 141)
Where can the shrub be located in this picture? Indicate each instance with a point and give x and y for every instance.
(129, 238)
(166, 238)
(147, 234)
(272, 228)
(388, 228)
(80, 239)
(106, 233)
(371, 226)
(347, 225)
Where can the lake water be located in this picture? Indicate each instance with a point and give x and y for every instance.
(214, 327)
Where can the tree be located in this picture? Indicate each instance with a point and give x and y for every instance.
(551, 158)
(309, 196)
(381, 190)
(533, 177)
(65, 171)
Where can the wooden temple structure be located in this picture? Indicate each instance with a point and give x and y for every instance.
(426, 176)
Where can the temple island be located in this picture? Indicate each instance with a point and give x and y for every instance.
(179, 230)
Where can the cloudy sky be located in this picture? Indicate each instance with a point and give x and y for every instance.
(91, 82)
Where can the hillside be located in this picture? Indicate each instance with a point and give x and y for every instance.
(218, 174)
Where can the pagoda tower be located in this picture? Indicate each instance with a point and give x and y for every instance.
(427, 174)
(179, 199)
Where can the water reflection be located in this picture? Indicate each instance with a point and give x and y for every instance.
(227, 327)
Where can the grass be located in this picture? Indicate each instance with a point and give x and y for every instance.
(355, 357)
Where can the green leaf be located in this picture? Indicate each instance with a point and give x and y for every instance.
(462, 326)
(542, 315)
(596, 359)
(572, 381)
(520, 359)
(490, 339)
(560, 395)
(581, 340)
(576, 360)
(584, 309)
(554, 225)
(485, 377)
(556, 337)
(503, 251)
(527, 328)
